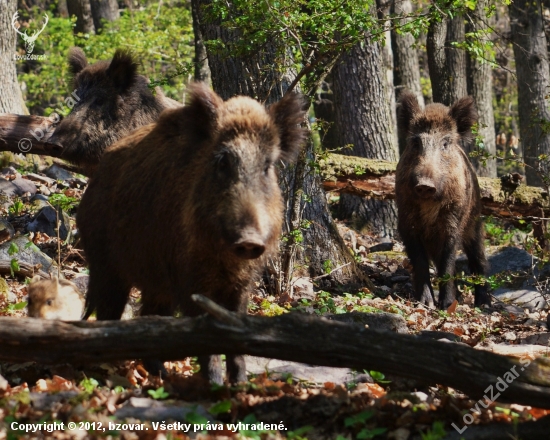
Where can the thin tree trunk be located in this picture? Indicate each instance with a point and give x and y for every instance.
(363, 120)
(83, 12)
(202, 70)
(456, 59)
(405, 58)
(480, 87)
(253, 75)
(11, 99)
(437, 61)
(104, 10)
(531, 55)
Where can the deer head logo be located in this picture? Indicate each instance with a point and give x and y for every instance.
(28, 39)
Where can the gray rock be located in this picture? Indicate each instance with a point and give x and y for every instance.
(382, 247)
(504, 259)
(540, 339)
(45, 221)
(24, 186)
(8, 188)
(39, 178)
(316, 374)
(303, 288)
(28, 253)
(377, 321)
(6, 230)
(50, 401)
(143, 408)
(528, 298)
(435, 335)
(58, 173)
(8, 171)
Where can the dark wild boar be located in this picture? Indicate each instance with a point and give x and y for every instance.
(112, 101)
(54, 299)
(189, 205)
(438, 196)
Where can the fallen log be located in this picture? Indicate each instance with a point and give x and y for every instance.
(293, 337)
(28, 135)
(376, 179)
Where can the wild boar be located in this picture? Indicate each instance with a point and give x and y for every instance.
(189, 205)
(54, 299)
(111, 100)
(438, 196)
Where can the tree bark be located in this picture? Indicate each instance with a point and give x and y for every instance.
(103, 10)
(437, 61)
(253, 75)
(202, 70)
(456, 59)
(531, 55)
(405, 58)
(11, 99)
(362, 119)
(447, 64)
(480, 87)
(83, 12)
(294, 337)
(27, 134)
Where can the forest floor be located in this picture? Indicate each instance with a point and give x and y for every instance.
(121, 400)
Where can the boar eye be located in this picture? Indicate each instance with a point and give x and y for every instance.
(223, 162)
(98, 101)
(267, 166)
(49, 302)
(445, 143)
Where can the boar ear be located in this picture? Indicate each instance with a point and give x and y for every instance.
(77, 60)
(465, 115)
(288, 115)
(202, 106)
(36, 278)
(122, 70)
(408, 108)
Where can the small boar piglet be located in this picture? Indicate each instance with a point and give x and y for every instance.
(190, 205)
(438, 196)
(54, 299)
(110, 101)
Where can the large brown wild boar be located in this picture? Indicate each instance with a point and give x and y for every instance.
(112, 101)
(438, 196)
(189, 205)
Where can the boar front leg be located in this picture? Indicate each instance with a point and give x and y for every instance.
(446, 266)
(475, 251)
(421, 270)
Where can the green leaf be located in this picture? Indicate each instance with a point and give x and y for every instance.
(220, 407)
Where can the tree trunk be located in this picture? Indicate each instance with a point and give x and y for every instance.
(11, 99)
(202, 70)
(362, 119)
(456, 59)
(447, 64)
(405, 58)
(322, 248)
(103, 10)
(480, 87)
(83, 12)
(531, 55)
(437, 61)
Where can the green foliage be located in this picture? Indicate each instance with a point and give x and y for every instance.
(379, 377)
(163, 45)
(158, 394)
(64, 202)
(220, 407)
(17, 208)
(436, 432)
(361, 419)
(89, 385)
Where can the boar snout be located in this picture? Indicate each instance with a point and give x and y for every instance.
(249, 246)
(425, 188)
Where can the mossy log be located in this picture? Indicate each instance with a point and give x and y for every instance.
(376, 179)
(27, 134)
